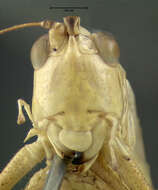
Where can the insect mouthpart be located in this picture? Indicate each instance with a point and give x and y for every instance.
(76, 158)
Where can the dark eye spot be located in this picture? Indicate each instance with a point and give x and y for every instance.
(54, 49)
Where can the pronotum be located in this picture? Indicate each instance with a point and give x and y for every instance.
(82, 102)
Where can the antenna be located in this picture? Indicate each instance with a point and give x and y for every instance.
(47, 24)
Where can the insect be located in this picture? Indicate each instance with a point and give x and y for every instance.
(82, 104)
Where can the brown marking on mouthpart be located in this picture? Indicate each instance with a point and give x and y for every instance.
(72, 24)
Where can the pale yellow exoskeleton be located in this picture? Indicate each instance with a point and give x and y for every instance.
(82, 102)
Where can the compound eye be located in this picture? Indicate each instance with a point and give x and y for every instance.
(40, 51)
(107, 46)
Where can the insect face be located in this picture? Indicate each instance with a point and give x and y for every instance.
(71, 97)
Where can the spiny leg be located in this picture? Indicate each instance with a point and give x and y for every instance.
(21, 164)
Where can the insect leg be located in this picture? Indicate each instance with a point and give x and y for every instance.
(38, 179)
(130, 170)
(21, 164)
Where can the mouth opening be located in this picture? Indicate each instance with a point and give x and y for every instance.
(76, 158)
